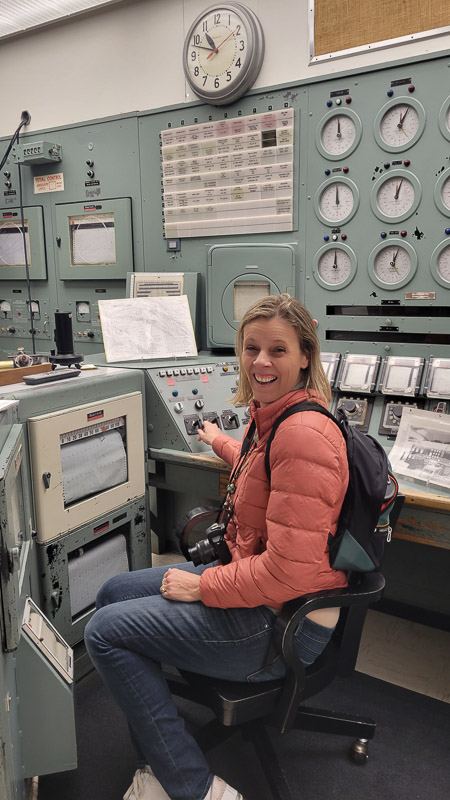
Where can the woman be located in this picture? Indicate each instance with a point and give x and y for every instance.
(217, 619)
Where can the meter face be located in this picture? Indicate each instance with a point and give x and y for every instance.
(359, 373)
(402, 375)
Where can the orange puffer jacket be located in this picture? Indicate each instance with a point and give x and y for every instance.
(278, 539)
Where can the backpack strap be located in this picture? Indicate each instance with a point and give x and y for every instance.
(305, 405)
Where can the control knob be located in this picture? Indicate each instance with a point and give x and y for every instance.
(199, 404)
(349, 406)
(178, 407)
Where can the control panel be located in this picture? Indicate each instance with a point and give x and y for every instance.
(180, 395)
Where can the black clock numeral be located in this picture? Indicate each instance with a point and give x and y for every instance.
(216, 19)
(205, 78)
(238, 63)
(196, 39)
(196, 72)
(238, 30)
(205, 25)
(242, 45)
(216, 83)
(228, 76)
(193, 55)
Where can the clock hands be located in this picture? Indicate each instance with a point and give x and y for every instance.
(394, 259)
(210, 41)
(402, 119)
(221, 43)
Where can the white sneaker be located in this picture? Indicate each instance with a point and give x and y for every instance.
(145, 787)
(222, 791)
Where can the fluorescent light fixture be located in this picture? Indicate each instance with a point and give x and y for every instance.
(21, 16)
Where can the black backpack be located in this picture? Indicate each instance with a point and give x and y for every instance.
(363, 526)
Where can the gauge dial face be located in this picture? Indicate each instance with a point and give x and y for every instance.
(445, 193)
(336, 202)
(392, 264)
(399, 125)
(395, 197)
(443, 264)
(334, 266)
(447, 119)
(338, 134)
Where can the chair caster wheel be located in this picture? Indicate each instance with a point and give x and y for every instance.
(359, 751)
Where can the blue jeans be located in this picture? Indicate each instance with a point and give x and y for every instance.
(135, 630)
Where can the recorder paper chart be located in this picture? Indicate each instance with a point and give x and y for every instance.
(147, 327)
(92, 239)
(232, 176)
(12, 251)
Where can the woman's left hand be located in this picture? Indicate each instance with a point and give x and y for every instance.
(180, 585)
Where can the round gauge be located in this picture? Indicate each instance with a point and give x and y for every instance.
(399, 124)
(442, 192)
(395, 196)
(338, 134)
(334, 266)
(440, 263)
(336, 201)
(444, 118)
(393, 264)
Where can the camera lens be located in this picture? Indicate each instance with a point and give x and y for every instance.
(202, 553)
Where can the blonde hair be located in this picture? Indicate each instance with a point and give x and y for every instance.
(296, 314)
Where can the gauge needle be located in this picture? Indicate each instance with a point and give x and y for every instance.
(221, 43)
(338, 128)
(397, 190)
(394, 259)
(337, 195)
(335, 261)
(402, 119)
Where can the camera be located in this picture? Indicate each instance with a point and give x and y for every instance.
(214, 546)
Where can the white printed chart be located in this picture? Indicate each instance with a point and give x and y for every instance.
(229, 177)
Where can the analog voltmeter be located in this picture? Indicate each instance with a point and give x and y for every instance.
(338, 134)
(330, 364)
(399, 124)
(359, 373)
(336, 201)
(334, 266)
(440, 263)
(401, 375)
(437, 381)
(393, 264)
(442, 193)
(395, 196)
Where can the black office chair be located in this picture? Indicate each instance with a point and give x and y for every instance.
(254, 708)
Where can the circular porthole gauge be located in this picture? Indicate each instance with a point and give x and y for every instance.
(338, 134)
(444, 119)
(336, 201)
(392, 264)
(442, 192)
(440, 263)
(395, 195)
(334, 266)
(399, 124)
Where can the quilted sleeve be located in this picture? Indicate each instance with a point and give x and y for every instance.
(226, 447)
(308, 483)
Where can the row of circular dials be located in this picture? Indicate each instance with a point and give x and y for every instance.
(394, 197)
(391, 265)
(398, 125)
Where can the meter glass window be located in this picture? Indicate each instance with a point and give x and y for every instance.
(330, 363)
(359, 373)
(439, 378)
(92, 239)
(402, 376)
(93, 459)
(245, 293)
(12, 251)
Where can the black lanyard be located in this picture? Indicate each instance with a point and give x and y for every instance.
(227, 506)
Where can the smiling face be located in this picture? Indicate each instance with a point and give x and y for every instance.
(272, 358)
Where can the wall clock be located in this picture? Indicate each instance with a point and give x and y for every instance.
(223, 53)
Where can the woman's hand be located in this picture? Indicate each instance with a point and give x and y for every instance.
(180, 585)
(208, 433)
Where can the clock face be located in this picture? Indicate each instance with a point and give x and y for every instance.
(223, 53)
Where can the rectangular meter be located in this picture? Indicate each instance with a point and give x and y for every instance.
(330, 363)
(359, 373)
(401, 375)
(437, 381)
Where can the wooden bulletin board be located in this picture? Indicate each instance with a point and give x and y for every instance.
(342, 25)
